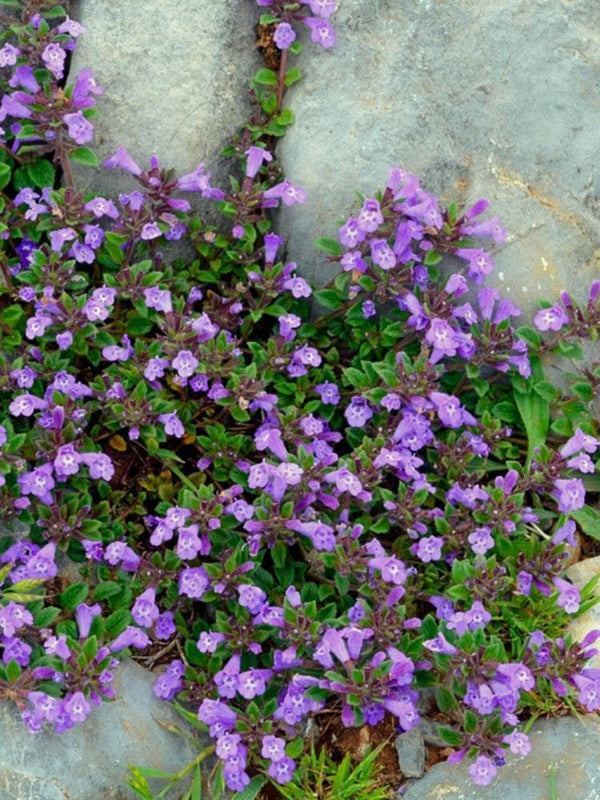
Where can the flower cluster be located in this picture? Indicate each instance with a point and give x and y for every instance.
(315, 14)
(323, 513)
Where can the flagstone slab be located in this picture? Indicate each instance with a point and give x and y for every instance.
(175, 80)
(90, 761)
(477, 97)
(564, 751)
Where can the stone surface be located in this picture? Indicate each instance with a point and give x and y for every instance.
(175, 81)
(583, 572)
(567, 746)
(90, 762)
(411, 753)
(477, 97)
(580, 574)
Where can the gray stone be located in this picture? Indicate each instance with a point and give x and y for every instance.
(566, 747)
(580, 574)
(429, 730)
(411, 753)
(477, 97)
(583, 572)
(90, 761)
(175, 81)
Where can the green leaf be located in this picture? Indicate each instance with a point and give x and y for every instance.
(138, 326)
(266, 76)
(588, 519)
(327, 298)
(584, 391)
(470, 722)
(330, 247)
(529, 335)
(74, 595)
(292, 76)
(432, 257)
(117, 622)
(90, 648)
(106, 589)
(445, 700)
(44, 617)
(13, 671)
(534, 410)
(452, 737)
(251, 791)
(41, 173)
(11, 315)
(569, 349)
(5, 172)
(84, 155)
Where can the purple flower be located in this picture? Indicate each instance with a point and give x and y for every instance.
(429, 548)
(551, 319)
(569, 596)
(53, 57)
(71, 27)
(99, 465)
(481, 540)
(12, 106)
(101, 207)
(172, 424)
(150, 231)
(579, 441)
(272, 243)
(322, 31)
(345, 481)
(155, 368)
(322, 8)
(131, 637)
(38, 482)
(122, 160)
(570, 494)
(297, 286)
(256, 156)
(193, 582)
(77, 707)
(185, 363)
(9, 55)
(25, 404)
(382, 254)
(199, 181)
(329, 393)
(165, 626)
(449, 409)
(251, 597)
(273, 748)
(287, 192)
(480, 263)
(482, 771)
(67, 461)
(209, 641)
(145, 611)
(284, 35)
(358, 413)
(370, 216)
(282, 770)
(440, 645)
(79, 128)
(443, 338)
(226, 680)
(84, 615)
(253, 683)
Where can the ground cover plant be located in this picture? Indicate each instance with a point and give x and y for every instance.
(365, 511)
